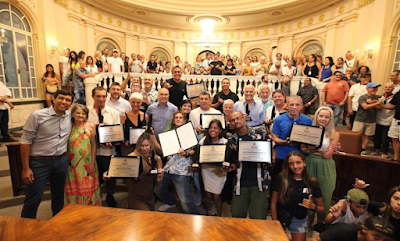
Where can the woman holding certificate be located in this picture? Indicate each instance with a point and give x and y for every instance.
(82, 184)
(135, 120)
(320, 163)
(185, 107)
(141, 190)
(214, 175)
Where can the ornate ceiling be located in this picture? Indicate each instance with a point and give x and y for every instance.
(230, 15)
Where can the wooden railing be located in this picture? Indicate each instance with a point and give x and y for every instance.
(213, 83)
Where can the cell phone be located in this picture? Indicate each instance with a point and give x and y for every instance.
(274, 47)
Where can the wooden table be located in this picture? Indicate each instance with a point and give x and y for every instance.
(18, 229)
(76, 222)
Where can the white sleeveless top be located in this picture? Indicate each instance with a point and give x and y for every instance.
(349, 216)
(325, 143)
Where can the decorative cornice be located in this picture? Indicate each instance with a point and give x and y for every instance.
(62, 3)
(362, 3)
(351, 18)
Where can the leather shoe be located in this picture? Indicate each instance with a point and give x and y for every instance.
(111, 201)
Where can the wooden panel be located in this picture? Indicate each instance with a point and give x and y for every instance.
(381, 174)
(77, 222)
(14, 158)
(12, 228)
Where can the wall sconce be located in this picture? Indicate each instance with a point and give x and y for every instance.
(54, 48)
(368, 51)
(3, 38)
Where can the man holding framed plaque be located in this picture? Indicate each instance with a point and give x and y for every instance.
(250, 194)
(281, 131)
(100, 113)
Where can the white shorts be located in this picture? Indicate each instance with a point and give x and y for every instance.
(394, 130)
(66, 80)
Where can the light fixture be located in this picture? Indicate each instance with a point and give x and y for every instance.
(368, 51)
(54, 48)
(207, 25)
(3, 38)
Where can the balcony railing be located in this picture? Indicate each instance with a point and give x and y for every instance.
(213, 83)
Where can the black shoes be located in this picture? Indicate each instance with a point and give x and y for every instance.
(111, 201)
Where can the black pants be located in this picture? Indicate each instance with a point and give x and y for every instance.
(227, 192)
(381, 139)
(4, 124)
(276, 169)
(353, 117)
(103, 162)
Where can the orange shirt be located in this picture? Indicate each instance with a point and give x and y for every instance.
(335, 91)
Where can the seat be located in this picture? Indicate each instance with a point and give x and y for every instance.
(350, 141)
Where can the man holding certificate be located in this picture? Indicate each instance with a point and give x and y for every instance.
(281, 131)
(99, 113)
(254, 110)
(250, 193)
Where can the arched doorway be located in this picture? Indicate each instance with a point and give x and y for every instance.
(17, 61)
(312, 47)
(203, 54)
(107, 43)
(396, 61)
(257, 52)
(161, 53)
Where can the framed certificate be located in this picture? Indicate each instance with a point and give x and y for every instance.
(255, 151)
(205, 119)
(194, 90)
(212, 153)
(125, 167)
(134, 134)
(110, 133)
(183, 137)
(310, 135)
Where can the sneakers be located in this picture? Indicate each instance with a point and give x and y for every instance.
(198, 201)
(364, 153)
(344, 123)
(165, 207)
(111, 201)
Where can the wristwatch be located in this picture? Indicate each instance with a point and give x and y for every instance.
(316, 208)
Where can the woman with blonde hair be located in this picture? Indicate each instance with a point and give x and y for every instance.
(99, 61)
(320, 163)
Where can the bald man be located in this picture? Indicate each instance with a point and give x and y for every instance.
(254, 111)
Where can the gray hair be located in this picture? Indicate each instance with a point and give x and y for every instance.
(227, 102)
(136, 95)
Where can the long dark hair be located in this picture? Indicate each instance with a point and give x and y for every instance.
(286, 174)
(388, 211)
(81, 53)
(73, 59)
(183, 103)
(87, 60)
(208, 137)
(53, 74)
(331, 63)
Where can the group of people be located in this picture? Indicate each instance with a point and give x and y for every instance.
(62, 146)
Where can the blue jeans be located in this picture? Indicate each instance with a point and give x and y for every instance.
(54, 170)
(80, 96)
(337, 109)
(182, 186)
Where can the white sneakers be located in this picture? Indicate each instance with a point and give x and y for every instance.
(165, 207)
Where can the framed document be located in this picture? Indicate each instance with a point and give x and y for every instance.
(194, 90)
(134, 134)
(255, 151)
(310, 135)
(110, 133)
(125, 167)
(183, 137)
(205, 119)
(212, 153)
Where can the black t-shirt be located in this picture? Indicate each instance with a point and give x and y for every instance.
(152, 65)
(214, 70)
(232, 68)
(396, 101)
(249, 172)
(176, 92)
(340, 231)
(221, 95)
(396, 225)
(299, 191)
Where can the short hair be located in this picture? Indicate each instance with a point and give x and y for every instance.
(227, 102)
(205, 93)
(279, 91)
(75, 108)
(262, 87)
(293, 97)
(263, 77)
(359, 68)
(63, 92)
(176, 66)
(246, 86)
(226, 79)
(179, 112)
(337, 71)
(397, 72)
(99, 88)
(115, 83)
(186, 101)
(136, 95)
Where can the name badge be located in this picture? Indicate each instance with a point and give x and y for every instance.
(248, 118)
(154, 171)
(305, 190)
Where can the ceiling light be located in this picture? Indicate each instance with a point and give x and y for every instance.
(207, 25)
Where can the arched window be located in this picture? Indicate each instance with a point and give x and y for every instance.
(161, 53)
(312, 47)
(203, 54)
(17, 65)
(109, 44)
(396, 62)
(257, 52)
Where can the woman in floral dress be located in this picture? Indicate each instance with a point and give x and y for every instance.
(82, 184)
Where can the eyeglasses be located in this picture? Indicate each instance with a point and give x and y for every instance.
(236, 119)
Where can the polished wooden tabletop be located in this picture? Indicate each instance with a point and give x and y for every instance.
(18, 229)
(76, 222)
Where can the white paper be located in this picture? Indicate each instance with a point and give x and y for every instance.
(186, 136)
(169, 142)
(124, 167)
(134, 134)
(207, 118)
(212, 153)
(255, 151)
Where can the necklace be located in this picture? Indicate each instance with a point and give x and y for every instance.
(297, 179)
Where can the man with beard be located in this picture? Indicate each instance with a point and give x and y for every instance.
(115, 100)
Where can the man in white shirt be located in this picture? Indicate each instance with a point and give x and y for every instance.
(289, 69)
(207, 61)
(115, 100)
(265, 81)
(65, 71)
(99, 112)
(105, 59)
(115, 63)
(394, 77)
(355, 92)
(204, 108)
(276, 69)
(4, 94)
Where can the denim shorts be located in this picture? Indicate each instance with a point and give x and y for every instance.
(298, 225)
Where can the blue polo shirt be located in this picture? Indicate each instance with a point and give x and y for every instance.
(282, 125)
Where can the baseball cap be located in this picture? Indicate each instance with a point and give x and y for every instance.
(358, 196)
(115, 50)
(373, 85)
(380, 225)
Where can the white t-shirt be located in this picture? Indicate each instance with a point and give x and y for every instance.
(135, 67)
(206, 63)
(105, 60)
(92, 69)
(144, 66)
(65, 64)
(396, 89)
(349, 63)
(384, 117)
(194, 117)
(356, 91)
(273, 69)
(116, 64)
(287, 71)
(283, 62)
(121, 105)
